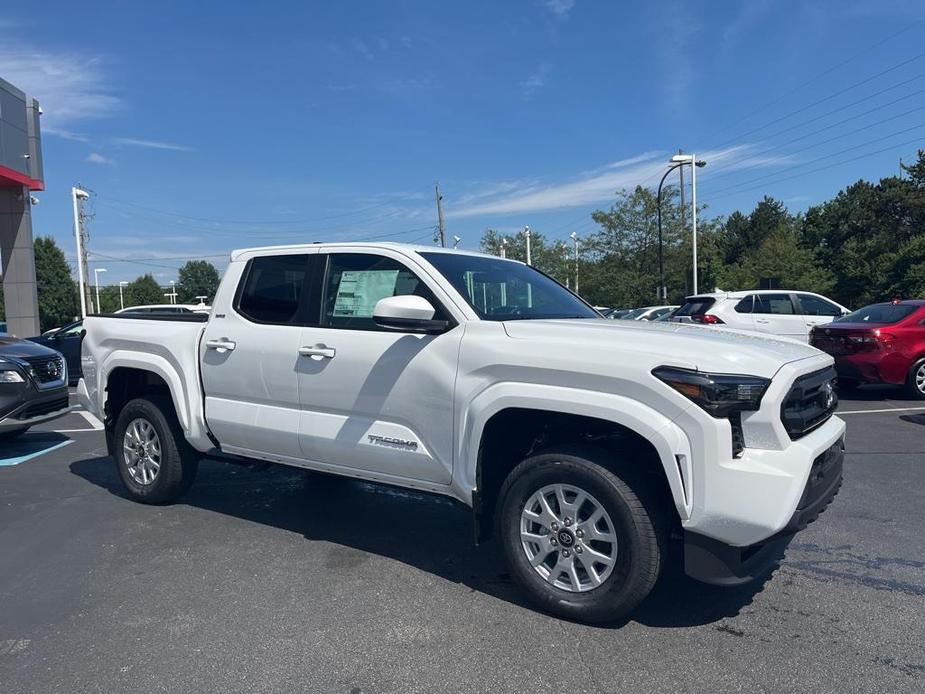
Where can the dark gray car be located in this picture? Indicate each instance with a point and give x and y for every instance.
(33, 386)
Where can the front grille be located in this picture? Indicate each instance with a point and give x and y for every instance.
(810, 402)
(47, 369)
(37, 409)
(738, 436)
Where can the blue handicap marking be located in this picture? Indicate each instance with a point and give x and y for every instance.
(30, 447)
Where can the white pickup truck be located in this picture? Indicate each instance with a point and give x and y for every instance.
(588, 445)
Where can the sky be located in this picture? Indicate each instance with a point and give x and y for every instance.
(203, 127)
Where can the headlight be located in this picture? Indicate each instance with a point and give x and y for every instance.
(718, 394)
(9, 373)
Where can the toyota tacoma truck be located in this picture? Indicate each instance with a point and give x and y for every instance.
(589, 447)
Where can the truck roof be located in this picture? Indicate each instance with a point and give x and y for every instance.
(242, 253)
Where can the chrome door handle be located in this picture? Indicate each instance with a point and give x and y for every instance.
(221, 345)
(318, 352)
(763, 322)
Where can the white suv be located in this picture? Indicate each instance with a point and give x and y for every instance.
(780, 312)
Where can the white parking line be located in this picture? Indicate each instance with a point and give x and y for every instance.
(93, 421)
(889, 409)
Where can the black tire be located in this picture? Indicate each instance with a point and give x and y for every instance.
(848, 385)
(10, 435)
(911, 385)
(179, 461)
(638, 520)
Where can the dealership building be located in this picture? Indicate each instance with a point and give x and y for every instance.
(20, 173)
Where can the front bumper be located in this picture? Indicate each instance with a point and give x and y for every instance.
(712, 561)
(23, 406)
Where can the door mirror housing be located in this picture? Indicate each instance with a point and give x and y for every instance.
(413, 314)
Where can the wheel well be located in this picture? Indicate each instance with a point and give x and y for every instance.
(126, 383)
(517, 433)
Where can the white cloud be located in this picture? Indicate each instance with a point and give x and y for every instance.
(97, 158)
(152, 144)
(406, 41)
(599, 185)
(675, 44)
(560, 8)
(70, 87)
(536, 80)
(360, 47)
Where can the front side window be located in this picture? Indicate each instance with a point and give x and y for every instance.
(776, 304)
(271, 289)
(499, 289)
(814, 306)
(357, 281)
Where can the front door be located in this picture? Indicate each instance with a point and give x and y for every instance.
(817, 311)
(250, 358)
(374, 399)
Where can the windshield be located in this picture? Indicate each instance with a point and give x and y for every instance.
(878, 313)
(632, 315)
(501, 289)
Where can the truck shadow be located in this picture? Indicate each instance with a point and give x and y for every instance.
(428, 532)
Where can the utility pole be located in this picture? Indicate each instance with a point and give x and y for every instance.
(694, 166)
(527, 234)
(440, 227)
(529, 286)
(574, 237)
(80, 237)
(503, 248)
(122, 284)
(683, 210)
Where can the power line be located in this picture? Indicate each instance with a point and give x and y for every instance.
(814, 161)
(824, 99)
(825, 72)
(815, 144)
(822, 168)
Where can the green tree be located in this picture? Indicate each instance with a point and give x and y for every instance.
(144, 290)
(196, 278)
(57, 292)
(552, 257)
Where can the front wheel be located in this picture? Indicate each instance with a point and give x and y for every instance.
(579, 539)
(155, 462)
(915, 383)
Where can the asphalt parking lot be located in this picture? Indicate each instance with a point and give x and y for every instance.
(269, 579)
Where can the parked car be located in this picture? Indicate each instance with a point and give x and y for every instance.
(617, 313)
(33, 386)
(648, 313)
(65, 340)
(778, 312)
(455, 373)
(166, 308)
(881, 343)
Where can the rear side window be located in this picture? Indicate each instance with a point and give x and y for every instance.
(357, 281)
(815, 306)
(695, 306)
(777, 304)
(271, 289)
(879, 313)
(746, 305)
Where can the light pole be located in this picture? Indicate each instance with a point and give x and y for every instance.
(691, 159)
(504, 247)
(527, 234)
(96, 276)
(574, 237)
(78, 194)
(122, 284)
(456, 241)
(173, 292)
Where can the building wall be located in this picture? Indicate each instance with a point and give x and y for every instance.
(20, 172)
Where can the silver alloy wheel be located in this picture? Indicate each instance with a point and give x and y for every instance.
(920, 378)
(142, 450)
(568, 537)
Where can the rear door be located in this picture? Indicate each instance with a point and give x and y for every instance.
(250, 357)
(777, 314)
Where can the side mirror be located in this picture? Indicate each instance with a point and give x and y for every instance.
(413, 314)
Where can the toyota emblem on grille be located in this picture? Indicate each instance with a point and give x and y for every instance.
(827, 396)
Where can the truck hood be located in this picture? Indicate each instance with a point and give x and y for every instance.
(706, 348)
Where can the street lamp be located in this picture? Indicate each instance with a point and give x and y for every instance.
(527, 234)
(122, 284)
(504, 247)
(677, 162)
(173, 291)
(96, 275)
(574, 237)
(78, 194)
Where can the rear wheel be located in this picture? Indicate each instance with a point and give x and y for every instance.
(915, 383)
(155, 462)
(579, 539)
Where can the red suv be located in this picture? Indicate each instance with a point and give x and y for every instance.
(880, 343)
